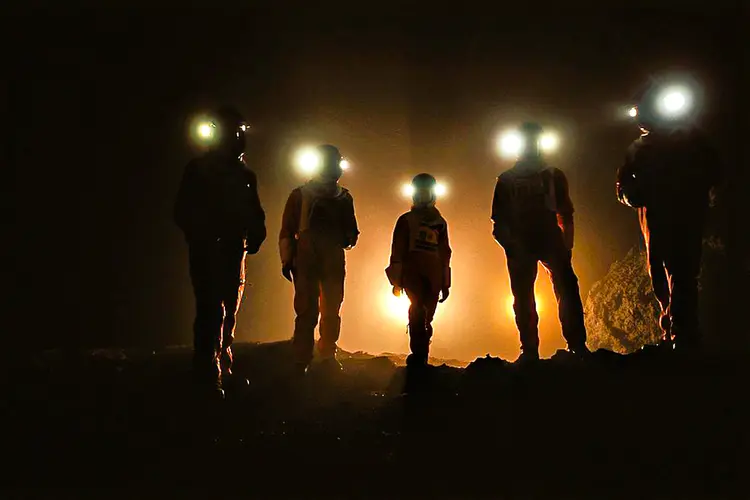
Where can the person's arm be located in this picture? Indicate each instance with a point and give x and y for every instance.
(565, 207)
(289, 228)
(625, 177)
(445, 253)
(399, 251)
(500, 215)
(257, 232)
(351, 229)
(184, 203)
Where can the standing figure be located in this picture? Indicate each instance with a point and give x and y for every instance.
(220, 214)
(420, 265)
(669, 176)
(317, 226)
(533, 221)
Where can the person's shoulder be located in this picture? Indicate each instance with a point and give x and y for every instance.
(556, 172)
(442, 218)
(507, 174)
(247, 171)
(345, 194)
(295, 194)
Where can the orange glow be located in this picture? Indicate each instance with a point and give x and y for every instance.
(396, 308)
(511, 312)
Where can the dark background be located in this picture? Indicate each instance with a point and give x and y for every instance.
(101, 100)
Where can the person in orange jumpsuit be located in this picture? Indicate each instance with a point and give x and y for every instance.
(220, 214)
(669, 176)
(318, 225)
(420, 265)
(532, 215)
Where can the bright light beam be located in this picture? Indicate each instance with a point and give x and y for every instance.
(674, 102)
(308, 161)
(509, 305)
(205, 130)
(397, 307)
(344, 164)
(440, 190)
(510, 144)
(407, 190)
(549, 142)
(633, 112)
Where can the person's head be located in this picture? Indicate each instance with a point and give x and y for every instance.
(531, 133)
(230, 130)
(330, 163)
(424, 194)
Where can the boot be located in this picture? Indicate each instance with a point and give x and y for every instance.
(207, 379)
(416, 374)
(211, 390)
(226, 361)
(416, 361)
(581, 351)
(527, 357)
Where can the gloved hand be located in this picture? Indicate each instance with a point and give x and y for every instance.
(444, 293)
(287, 271)
(398, 291)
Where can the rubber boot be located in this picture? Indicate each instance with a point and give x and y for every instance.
(527, 357)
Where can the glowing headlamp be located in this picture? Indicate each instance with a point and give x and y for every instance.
(512, 143)
(206, 130)
(408, 190)
(674, 102)
(309, 162)
(671, 101)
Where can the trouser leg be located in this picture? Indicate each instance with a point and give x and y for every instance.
(208, 313)
(306, 307)
(559, 266)
(523, 271)
(233, 287)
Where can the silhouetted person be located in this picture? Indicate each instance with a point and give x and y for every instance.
(220, 213)
(668, 176)
(533, 222)
(420, 265)
(317, 226)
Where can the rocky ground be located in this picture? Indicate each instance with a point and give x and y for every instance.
(621, 310)
(126, 424)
